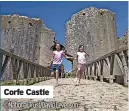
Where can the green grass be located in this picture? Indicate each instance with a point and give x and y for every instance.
(70, 75)
(29, 81)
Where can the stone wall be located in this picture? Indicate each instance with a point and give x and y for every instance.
(24, 37)
(47, 38)
(95, 29)
(123, 42)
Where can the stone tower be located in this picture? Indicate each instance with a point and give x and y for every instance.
(95, 29)
(27, 38)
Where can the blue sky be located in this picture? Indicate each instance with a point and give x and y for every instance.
(56, 14)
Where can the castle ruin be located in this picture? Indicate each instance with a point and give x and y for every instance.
(96, 30)
(27, 38)
(31, 39)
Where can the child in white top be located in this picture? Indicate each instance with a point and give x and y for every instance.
(81, 59)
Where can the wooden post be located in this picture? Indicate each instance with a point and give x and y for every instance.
(125, 69)
(90, 72)
(111, 69)
(101, 71)
(95, 77)
(13, 62)
(86, 72)
(18, 69)
(32, 68)
(5, 64)
(42, 74)
(34, 77)
(37, 73)
(27, 72)
(108, 59)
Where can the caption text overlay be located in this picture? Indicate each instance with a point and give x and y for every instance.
(18, 92)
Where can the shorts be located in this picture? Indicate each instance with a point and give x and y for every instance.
(81, 67)
(55, 67)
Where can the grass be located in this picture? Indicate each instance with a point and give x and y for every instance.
(29, 81)
(70, 75)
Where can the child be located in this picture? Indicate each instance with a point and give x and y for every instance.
(81, 59)
(56, 61)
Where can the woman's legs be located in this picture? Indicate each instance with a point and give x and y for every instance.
(77, 76)
(80, 75)
(80, 72)
(58, 67)
(77, 73)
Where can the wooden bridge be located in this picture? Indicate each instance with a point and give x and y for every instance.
(33, 72)
(93, 94)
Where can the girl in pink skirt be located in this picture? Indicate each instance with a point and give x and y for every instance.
(81, 59)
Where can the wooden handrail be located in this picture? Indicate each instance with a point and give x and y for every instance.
(107, 55)
(29, 70)
(17, 57)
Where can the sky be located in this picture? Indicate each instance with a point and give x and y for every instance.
(56, 14)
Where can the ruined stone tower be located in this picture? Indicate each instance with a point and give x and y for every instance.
(95, 29)
(27, 38)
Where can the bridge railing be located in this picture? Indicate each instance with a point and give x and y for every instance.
(31, 72)
(106, 67)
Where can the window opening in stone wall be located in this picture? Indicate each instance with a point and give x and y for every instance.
(101, 13)
(9, 22)
(30, 24)
(83, 13)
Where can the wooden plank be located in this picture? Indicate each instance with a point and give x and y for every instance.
(11, 55)
(39, 75)
(46, 73)
(28, 66)
(119, 56)
(24, 70)
(108, 59)
(19, 66)
(5, 64)
(32, 68)
(98, 68)
(95, 76)
(112, 64)
(125, 67)
(27, 69)
(109, 54)
(85, 73)
(119, 59)
(101, 70)
(43, 73)
(125, 54)
(111, 69)
(92, 71)
(37, 71)
(13, 68)
(89, 72)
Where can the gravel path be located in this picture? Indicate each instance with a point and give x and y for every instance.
(92, 95)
